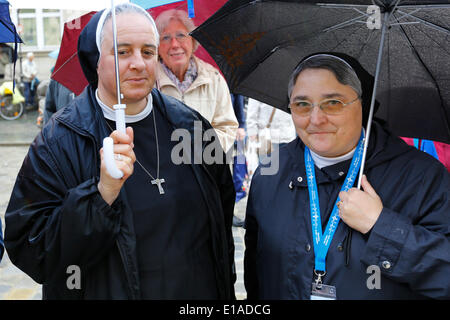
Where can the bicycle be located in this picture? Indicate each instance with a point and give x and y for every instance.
(11, 103)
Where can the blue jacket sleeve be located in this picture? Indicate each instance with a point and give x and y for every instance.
(50, 103)
(238, 105)
(416, 251)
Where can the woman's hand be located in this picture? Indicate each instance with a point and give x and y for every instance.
(360, 209)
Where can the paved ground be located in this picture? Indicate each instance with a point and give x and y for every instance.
(15, 137)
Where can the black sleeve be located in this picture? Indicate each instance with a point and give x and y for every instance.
(52, 224)
(251, 241)
(50, 102)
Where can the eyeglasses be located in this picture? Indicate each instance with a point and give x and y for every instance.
(180, 36)
(330, 106)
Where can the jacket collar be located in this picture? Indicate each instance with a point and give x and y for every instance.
(85, 116)
(382, 147)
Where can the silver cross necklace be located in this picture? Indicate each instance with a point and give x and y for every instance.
(157, 182)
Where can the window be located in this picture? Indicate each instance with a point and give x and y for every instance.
(52, 31)
(41, 28)
(29, 35)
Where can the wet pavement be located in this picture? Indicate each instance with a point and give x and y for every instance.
(15, 138)
(20, 131)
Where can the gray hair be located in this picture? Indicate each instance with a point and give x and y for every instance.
(120, 9)
(341, 69)
(163, 20)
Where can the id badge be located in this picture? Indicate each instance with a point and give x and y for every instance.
(323, 292)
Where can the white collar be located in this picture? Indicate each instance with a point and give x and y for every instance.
(109, 113)
(322, 162)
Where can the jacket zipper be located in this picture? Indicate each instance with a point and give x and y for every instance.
(127, 274)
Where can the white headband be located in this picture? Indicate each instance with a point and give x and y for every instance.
(330, 56)
(101, 22)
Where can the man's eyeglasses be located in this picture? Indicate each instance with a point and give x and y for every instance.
(330, 106)
(180, 36)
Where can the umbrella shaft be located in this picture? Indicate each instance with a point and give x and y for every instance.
(374, 94)
(116, 60)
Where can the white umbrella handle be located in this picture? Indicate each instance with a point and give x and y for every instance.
(108, 156)
(108, 145)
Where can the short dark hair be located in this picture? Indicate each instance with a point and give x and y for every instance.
(341, 69)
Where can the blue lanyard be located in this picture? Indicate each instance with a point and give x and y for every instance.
(322, 242)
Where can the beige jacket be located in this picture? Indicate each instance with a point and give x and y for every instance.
(210, 96)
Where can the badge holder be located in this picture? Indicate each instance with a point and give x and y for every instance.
(320, 291)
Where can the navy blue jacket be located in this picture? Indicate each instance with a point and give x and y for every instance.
(57, 218)
(238, 106)
(409, 243)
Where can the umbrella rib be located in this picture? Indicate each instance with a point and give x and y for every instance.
(430, 38)
(426, 23)
(345, 24)
(406, 14)
(348, 22)
(425, 6)
(368, 39)
(65, 62)
(416, 54)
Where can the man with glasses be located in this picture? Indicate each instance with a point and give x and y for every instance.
(192, 80)
(393, 241)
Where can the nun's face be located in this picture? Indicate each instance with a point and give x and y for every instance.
(325, 134)
(137, 55)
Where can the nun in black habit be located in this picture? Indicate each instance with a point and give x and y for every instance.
(393, 238)
(128, 238)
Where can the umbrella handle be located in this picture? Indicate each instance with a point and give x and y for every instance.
(108, 145)
(108, 156)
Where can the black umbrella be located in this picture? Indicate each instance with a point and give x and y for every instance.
(404, 44)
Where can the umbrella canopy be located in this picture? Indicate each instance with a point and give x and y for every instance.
(258, 43)
(8, 32)
(67, 69)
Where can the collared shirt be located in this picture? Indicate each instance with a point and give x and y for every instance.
(109, 113)
(189, 77)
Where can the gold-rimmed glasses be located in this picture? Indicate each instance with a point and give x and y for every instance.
(328, 106)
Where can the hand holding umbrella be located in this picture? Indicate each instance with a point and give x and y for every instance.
(119, 165)
(360, 209)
